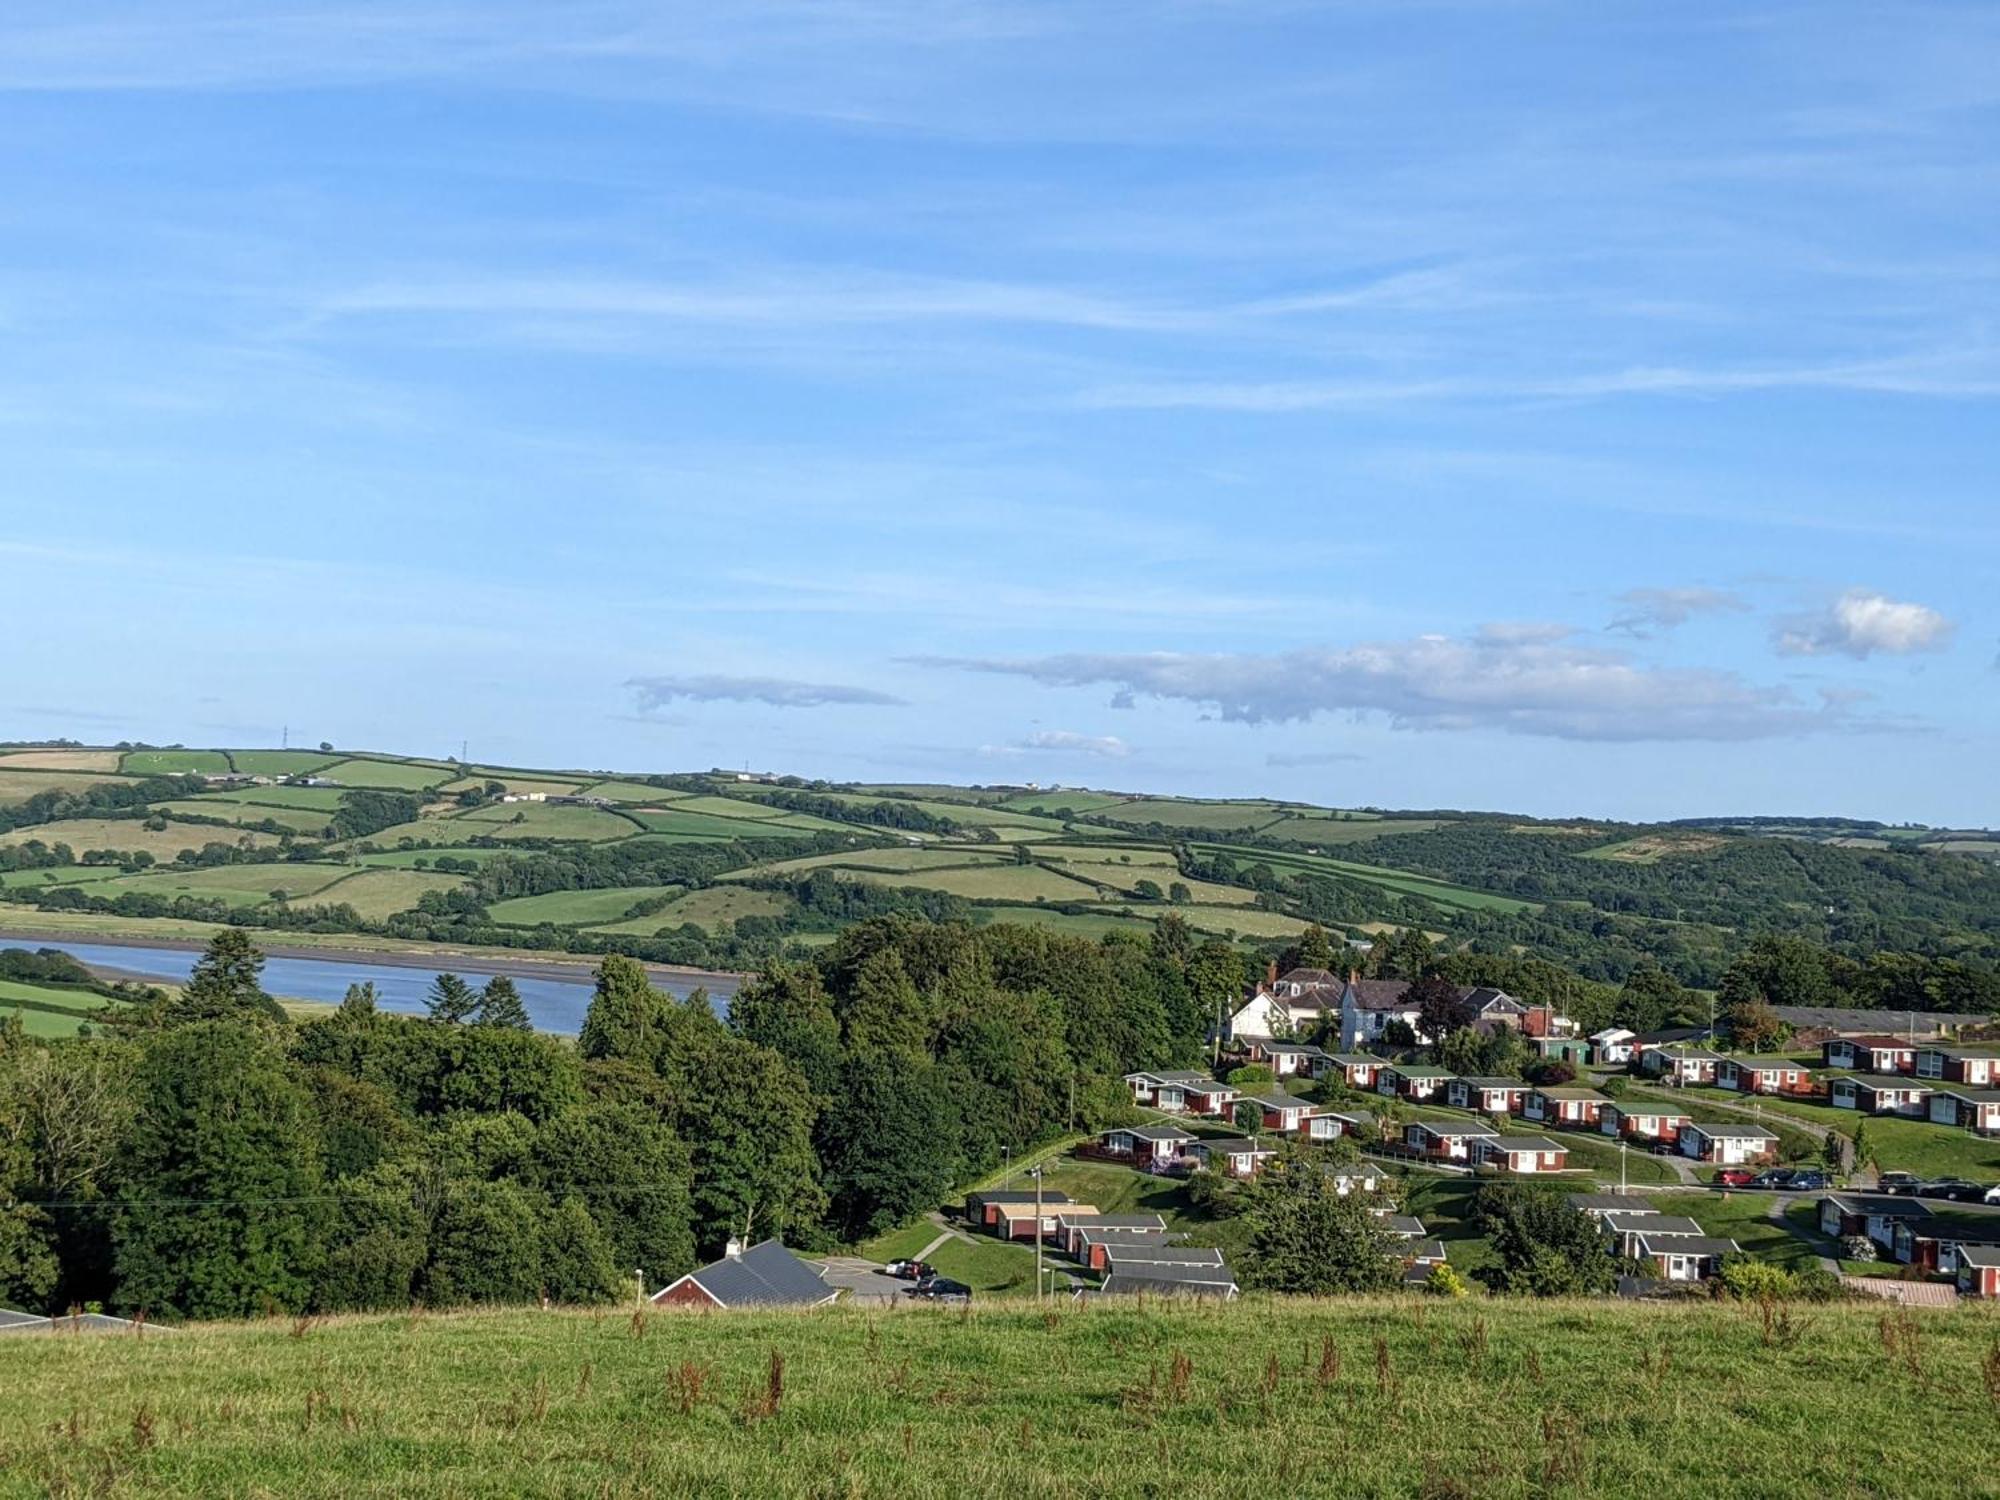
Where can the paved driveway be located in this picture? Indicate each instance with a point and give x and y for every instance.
(863, 1280)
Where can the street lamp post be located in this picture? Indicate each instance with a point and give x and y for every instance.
(1036, 1173)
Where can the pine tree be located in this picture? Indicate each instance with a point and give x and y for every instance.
(500, 1005)
(451, 999)
(226, 985)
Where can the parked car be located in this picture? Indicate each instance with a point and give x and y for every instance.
(1903, 1183)
(1992, 1194)
(1954, 1190)
(1809, 1181)
(909, 1270)
(1734, 1177)
(936, 1288)
(1774, 1178)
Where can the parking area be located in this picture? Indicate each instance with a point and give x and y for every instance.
(862, 1280)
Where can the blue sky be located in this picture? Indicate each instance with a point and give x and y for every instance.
(1569, 408)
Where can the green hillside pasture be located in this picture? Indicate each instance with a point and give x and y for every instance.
(387, 775)
(239, 885)
(1084, 924)
(19, 786)
(58, 875)
(1173, 813)
(131, 834)
(576, 908)
(1497, 1398)
(887, 861)
(1025, 883)
(1651, 848)
(707, 826)
(299, 820)
(60, 759)
(520, 785)
(633, 792)
(935, 791)
(1053, 803)
(1331, 831)
(280, 762)
(318, 798)
(1121, 877)
(48, 1010)
(376, 894)
(1244, 921)
(707, 909)
(172, 762)
(730, 807)
(537, 820)
(1395, 880)
(438, 831)
(1009, 825)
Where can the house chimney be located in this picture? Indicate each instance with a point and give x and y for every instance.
(1354, 976)
(734, 1248)
(1271, 972)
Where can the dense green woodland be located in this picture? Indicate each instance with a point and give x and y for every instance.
(209, 1159)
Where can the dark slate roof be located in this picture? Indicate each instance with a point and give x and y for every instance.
(765, 1275)
(1889, 1081)
(1734, 1132)
(1406, 1226)
(1359, 1059)
(1971, 1096)
(1125, 1223)
(1120, 1256)
(1880, 1205)
(1661, 1224)
(1672, 1034)
(1495, 1083)
(1217, 1282)
(1152, 1132)
(1279, 1099)
(1768, 1061)
(1521, 1143)
(1884, 1043)
(1123, 1236)
(1960, 1052)
(1605, 1203)
(1452, 1125)
(1691, 1244)
(1303, 1049)
(1574, 1094)
(1229, 1145)
(1985, 1257)
(1425, 1250)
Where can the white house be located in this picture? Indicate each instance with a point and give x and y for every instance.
(1727, 1145)
(1612, 1047)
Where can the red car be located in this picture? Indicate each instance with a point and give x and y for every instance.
(1735, 1177)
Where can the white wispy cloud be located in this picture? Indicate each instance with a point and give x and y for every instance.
(1862, 623)
(1064, 741)
(651, 693)
(1527, 681)
(1650, 610)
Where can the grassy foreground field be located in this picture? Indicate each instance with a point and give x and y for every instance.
(1355, 1398)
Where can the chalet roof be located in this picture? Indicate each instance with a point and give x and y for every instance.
(1119, 1256)
(1360, 1060)
(1512, 1143)
(1351, 1116)
(1900, 1044)
(1403, 1226)
(1230, 1145)
(1121, 1223)
(1646, 1109)
(1767, 1060)
(1970, 1096)
(1612, 1034)
(1495, 1083)
(1123, 1236)
(1310, 977)
(1427, 1250)
(765, 1275)
(1573, 1094)
(1880, 1205)
(1685, 1244)
(1453, 1125)
(1026, 1209)
(1959, 1052)
(1624, 1203)
(1208, 1281)
(1888, 1081)
(1279, 1099)
(1418, 1070)
(1655, 1224)
(1670, 1036)
(1981, 1257)
(1301, 1049)
(1015, 1195)
(1152, 1132)
(1489, 998)
(1680, 1049)
(1735, 1132)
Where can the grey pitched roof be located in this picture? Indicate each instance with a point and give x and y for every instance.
(1880, 1205)
(1971, 1096)
(1835, 1018)
(1123, 1236)
(1691, 1244)
(1408, 1226)
(765, 1275)
(1279, 1099)
(1016, 1195)
(1958, 1052)
(1495, 1083)
(1622, 1203)
(1425, 1250)
(1215, 1281)
(1985, 1257)
(1152, 1133)
(1452, 1125)
(1303, 1049)
(1660, 1224)
(1879, 1081)
(1359, 1059)
(1521, 1143)
(1735, 1132)
(25, 1323)
(1120, 1256)
(1229, 1145)
(1122, 1223)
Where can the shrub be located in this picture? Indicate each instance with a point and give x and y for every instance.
(1251, 1073)
(1445, 1282)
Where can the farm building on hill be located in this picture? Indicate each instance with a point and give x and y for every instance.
(765, 1275)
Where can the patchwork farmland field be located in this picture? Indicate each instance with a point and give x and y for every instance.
(240, 885)
(990, 883)
(518, 785)
(298, 820)
(132, 835)
(376, 894)
(578, 908)
(318, 798)
(172, 762)
(387, 775)
(60, 760)
(537, 820)
(705, 909)
(19, 785)
(280, 762)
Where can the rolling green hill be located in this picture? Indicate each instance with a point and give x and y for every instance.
(498, 855)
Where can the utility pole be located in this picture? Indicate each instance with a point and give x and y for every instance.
(1037, 1175)
(1621, 1167)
